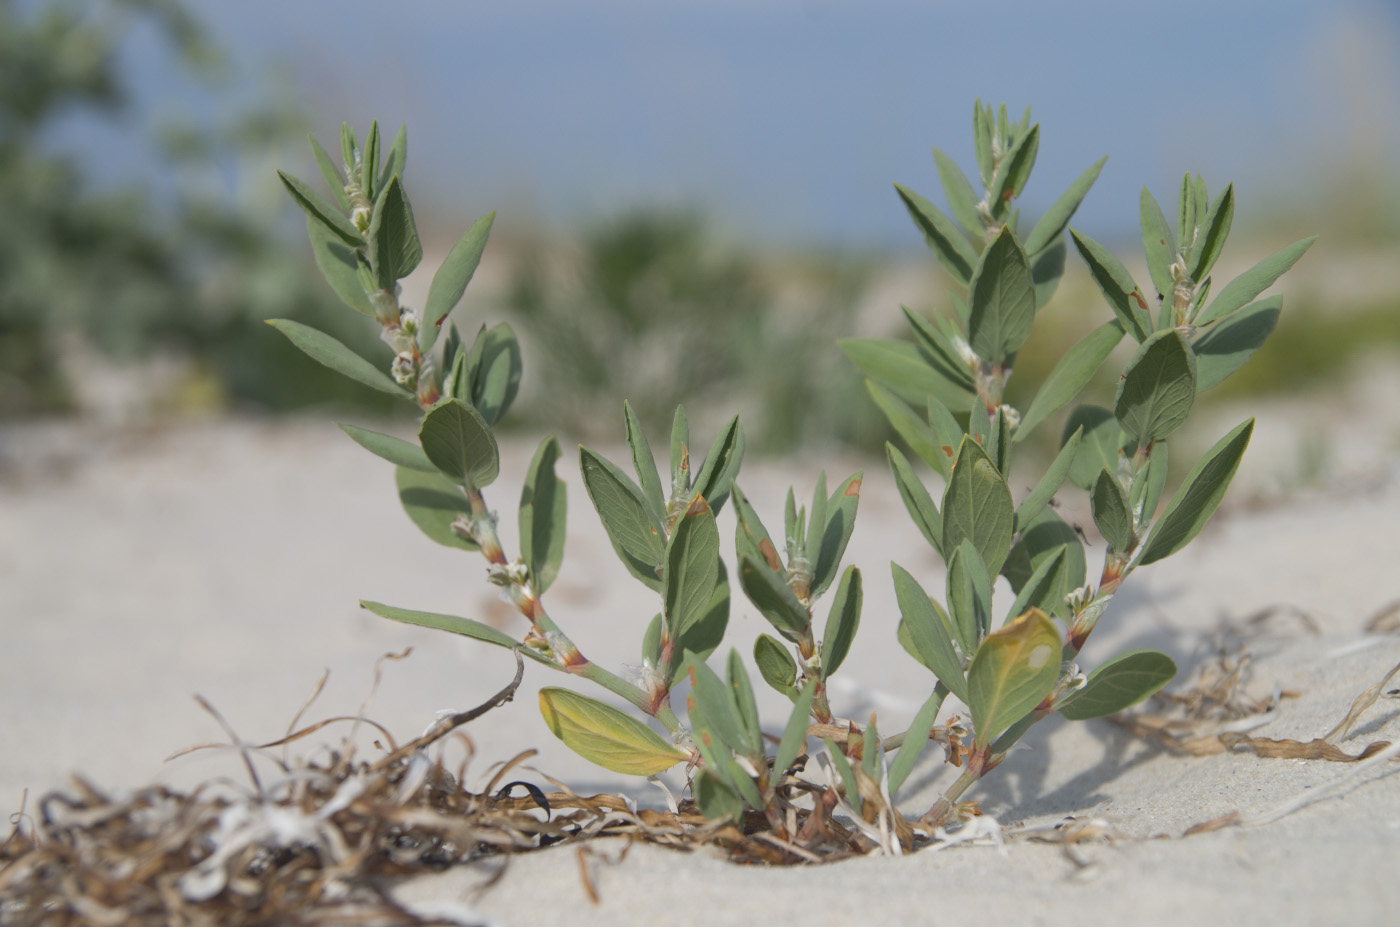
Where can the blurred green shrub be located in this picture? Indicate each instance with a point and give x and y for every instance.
(695, 321)
(127, 271)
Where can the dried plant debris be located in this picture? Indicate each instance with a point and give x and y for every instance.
(1214, 713)
(323, 840)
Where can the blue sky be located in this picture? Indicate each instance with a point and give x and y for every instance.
(787, 121)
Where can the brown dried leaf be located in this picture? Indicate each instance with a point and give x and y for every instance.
(1205, 827)
(1316, 749)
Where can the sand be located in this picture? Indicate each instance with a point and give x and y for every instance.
(138, 567)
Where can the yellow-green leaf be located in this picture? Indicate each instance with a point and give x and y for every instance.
(601, 734)
(1012, 672)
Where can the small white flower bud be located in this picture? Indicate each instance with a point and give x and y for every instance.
(405, 369)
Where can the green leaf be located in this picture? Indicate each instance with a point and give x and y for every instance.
(544, 511)
(927, 633)
(644, 463)
(457, 383)
(1100, 447)
(775, 664)
(1198, 497)
(340, 265)
(1186, 215)
(329, 352)
(827, 538)
(692, 568)
(716, 800)
(1049, 484)
(772, 596)
(916, 498)
(433, 504)
(741, 691)
(945, 238)
(453, 625)
(1045, 589)
(394, 450)
(993, 434)
(915, 739)
(937, 349)
(1070, 374)
(914, 431)
(347, 143)
(1157, 242)
(398, 157)
(603, 735)
(1052, 225)
(1045, 537)
(1214, 229)
(636, 536)
(1047, 267)
(1154, 483)
(332, 176)
(460, 444)
(1012, 672)
(1254, 281)
(651, 642)
(369, 165)
(717, 705)
(1010, 178)
(315, 206)
(751, 538)
(947, 432)
(1120, 683)
(982, 137)
(962, 200)
(680, 453)
(1110, 509)
(721, 465)
(842, 622)
(977, 506)
(1157, 388)
(703, 637)
(969, 596)
(1001, 300)
(394, 249)
(901, 368)
(452, 277)
(1123, 295)
(794, 739)
(1226, 346)
(493, 371)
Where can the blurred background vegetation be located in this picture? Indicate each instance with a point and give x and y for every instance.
(121, 299)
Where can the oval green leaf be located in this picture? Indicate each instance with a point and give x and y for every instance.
(452, 277)
(325, 350)
(1157, 389)
(1199, 496)
(544, 510)
(459, 443)
(977, 506)
(635, 535)
(603, 735)
(1011, 673)
(433, 504)
(1120, 683)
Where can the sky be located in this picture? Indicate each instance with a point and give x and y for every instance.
(786, 121)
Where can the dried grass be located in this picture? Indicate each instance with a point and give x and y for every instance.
(324, 840)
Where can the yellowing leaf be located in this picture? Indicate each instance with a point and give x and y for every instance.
(1012, 672)
(601, 734)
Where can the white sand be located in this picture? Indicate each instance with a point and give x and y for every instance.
(139, 568)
